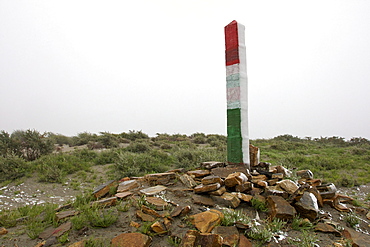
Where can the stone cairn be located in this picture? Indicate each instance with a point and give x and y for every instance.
(201, 195)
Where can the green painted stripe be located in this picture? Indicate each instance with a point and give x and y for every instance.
(234, 138)
(233, 81)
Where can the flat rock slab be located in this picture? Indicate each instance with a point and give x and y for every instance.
(128, 185)
(103, 189)
(199, 173)
(229, 234)
(212, 164)
(211, 179)
(160, 178)
(187, 180)
(206, 221)
(65, 214)
(201, 188)
(223, 172)
(123, 195)
(208, 240)
(143, 216)
(56, 232)
(151, 191)
(106, 202)
(157, 202)
(323, 227)
(134, 239)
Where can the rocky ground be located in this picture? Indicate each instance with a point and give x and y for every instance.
(166, 209)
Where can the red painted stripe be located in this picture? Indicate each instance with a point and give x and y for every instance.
(231, 43)
(231, 35)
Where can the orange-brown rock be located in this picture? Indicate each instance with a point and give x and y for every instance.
(105, 202)
(103, 189)
(187, 180)
(211, 179)
(257, 178)
(242, 196)
(160, 178)
(135, 224)
(201, 188)
(199, 173)
(280, 208)
(288, 186)
(247, 186)
(254, 155)
(229, 234)
(127, 185)
(143, 216)
(3, 231)
(234, 179)
(223, 172)
(150, 211)
(323, 227)
(211, 164)
(158, 227)
(189, 238)
(123, 195)
(77, 244)
(134, 239)
(208, 240)
(151, 191)
(244, 241)
(278, 176)
(206, 221)
(218, 192)
(230, 200)
(157, 202)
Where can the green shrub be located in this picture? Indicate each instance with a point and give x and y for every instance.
(106, 157)
(53, 168)
(102, 218)
(30, 144)
(137, 164)
(12, 167)
(138, 147)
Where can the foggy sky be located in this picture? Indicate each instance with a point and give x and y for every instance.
(158, 66)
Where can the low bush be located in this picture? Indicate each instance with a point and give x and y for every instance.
(12, 167)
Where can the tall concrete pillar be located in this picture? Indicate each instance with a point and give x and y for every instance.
(237, 95)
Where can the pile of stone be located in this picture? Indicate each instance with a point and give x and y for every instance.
(213, 187)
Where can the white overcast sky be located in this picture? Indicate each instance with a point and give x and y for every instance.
(158, 66)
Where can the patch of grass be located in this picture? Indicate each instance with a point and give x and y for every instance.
(259, 205)
(276, 225)
(260, 233)
(174, 241)
(79, 221)
(300, 224)
(352, 220)
(102, 218)
(64, 238)
(97, 242)
(34, 228)
(306, 239)
(8, 218)
(124, 207)
(232, 216)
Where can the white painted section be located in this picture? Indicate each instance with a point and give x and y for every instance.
(232, 69)
(243, 94)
